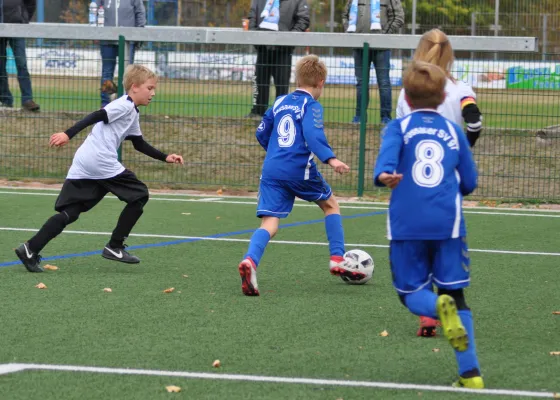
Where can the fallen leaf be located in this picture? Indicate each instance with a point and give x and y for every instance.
(186, 213)
(384, 334)
(555, 353)
(435, 350)
(216, 364)
(169, 290)
(173, 389)
(219, 192)
(218, 217)
(361, 347)
(51, 267)
(108, 290)
(555, 312)
(556, 396)
(166, 117)
(185, 276)
(41, 285)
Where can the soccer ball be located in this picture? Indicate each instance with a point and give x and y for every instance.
(360, 261)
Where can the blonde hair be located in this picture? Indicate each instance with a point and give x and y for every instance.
(136, 74)
(434, 47)
(424, 85)
(310, 71)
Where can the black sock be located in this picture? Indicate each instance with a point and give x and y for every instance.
(127, 220)
(51, 229)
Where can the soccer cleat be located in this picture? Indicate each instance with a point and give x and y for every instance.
(427, 327)
(31, 260)
(248, 273)
(475, 382)
(119, 254)
(339, 267)
(451, 324)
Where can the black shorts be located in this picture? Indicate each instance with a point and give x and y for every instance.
(88, 192)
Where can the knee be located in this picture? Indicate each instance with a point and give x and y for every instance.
(70, 215)
(139, 203)
(457, 295)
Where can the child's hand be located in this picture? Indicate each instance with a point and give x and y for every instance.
(58, 139)
(174, 159)
(390, 180)
(339, 166)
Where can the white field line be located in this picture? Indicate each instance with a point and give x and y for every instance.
(273, 379)
(519, 212)
(290, 242)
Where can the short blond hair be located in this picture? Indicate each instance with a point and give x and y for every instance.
(434, 47)
(136, 74)
(424, 85)
(310, 70)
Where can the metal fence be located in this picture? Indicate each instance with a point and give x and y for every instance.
(205, 93)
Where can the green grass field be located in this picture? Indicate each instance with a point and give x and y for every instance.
(306, 324)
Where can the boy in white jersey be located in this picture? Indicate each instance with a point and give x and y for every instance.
(291, 133)
(96, 170)
(460, 100)
(459, 106)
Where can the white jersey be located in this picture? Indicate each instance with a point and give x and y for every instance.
(457, 95)
(97, 157)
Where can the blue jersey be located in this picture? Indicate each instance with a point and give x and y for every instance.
(292, 133)
(438, 169)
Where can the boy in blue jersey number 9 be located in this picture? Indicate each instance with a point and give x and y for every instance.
(426, 160)
(291, 132)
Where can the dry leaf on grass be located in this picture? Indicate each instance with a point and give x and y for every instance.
(185, 276)
(435, 350)
(219, 192)
(51, 267)
(384, 334)
(169, 290)
(555, 353)
(555, 312)
(173, 389)
(218, 217)
(185, 213)
(41, 285)
(216, 364)
(108, 290)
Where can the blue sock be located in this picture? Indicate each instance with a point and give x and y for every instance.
(467, 360)
(422, 303)
(335, 234)
(258, 243)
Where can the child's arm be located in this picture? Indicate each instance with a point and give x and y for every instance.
(388, 158)
(467, 167)
(61, 138)
(145, 148)
(471, 114)
(265, 129)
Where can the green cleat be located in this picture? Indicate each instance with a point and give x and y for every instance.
(451, 324)
(475, 382)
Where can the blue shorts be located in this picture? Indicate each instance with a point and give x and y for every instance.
(276, 197)
(415, 264)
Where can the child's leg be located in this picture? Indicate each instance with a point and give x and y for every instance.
(261, 237)
(333, 226)
(54, 226)
(128, 218)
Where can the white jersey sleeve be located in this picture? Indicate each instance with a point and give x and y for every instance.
(403, 109)
(465, 90)
(117, 109)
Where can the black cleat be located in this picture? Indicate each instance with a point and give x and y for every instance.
(119, 254)
(31, 260)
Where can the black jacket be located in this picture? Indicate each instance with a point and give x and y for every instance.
(294, 15)
(17, 11)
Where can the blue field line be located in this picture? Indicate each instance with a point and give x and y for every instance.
(181, 241)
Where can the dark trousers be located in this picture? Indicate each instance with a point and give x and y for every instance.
(18, 48)
(109, 53)
(381, 60)
(271, 61)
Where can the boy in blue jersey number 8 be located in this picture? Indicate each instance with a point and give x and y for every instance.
(426, 160)
(291, 132)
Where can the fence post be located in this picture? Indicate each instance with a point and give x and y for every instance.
(544, 35)
(363, 119)
(473, 29)
(120, 89)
